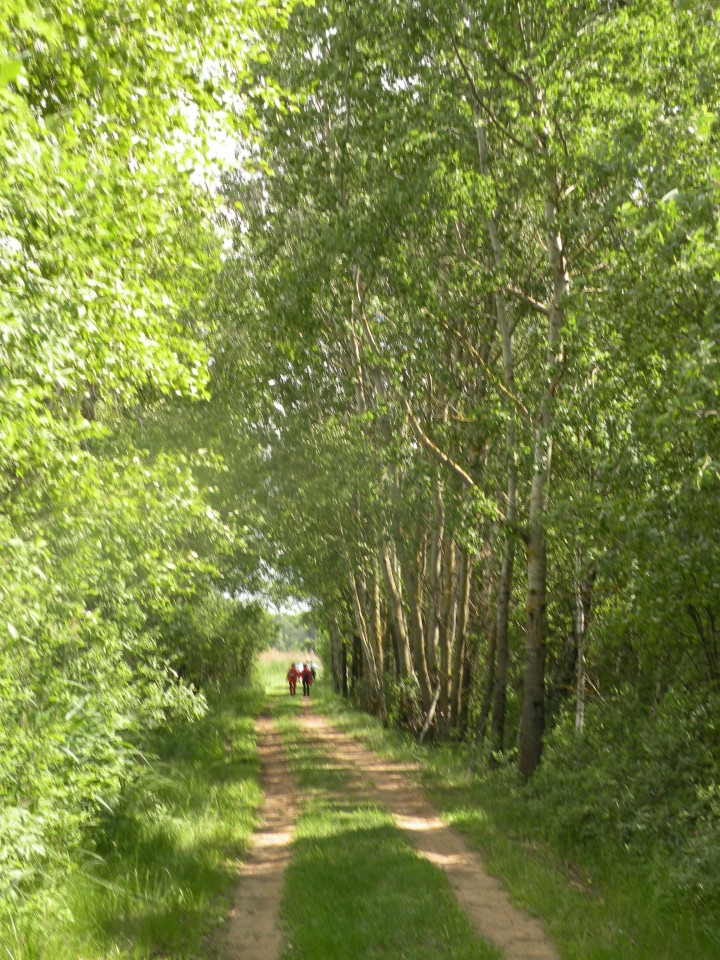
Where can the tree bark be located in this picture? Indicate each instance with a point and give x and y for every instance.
(502, 637)
(460, 666)
(416, 627)
(447, 627)
(356, 667)
(432, 632)
(399, 621)
(579, 628)
(532, 724)
(344, 671)
(533, 709)
(336, 657)
(363, 603)
(489, 685)
(486, 618)
(504, 591)
(378, 634)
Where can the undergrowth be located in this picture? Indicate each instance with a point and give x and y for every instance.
(157, 877)
(643, 786)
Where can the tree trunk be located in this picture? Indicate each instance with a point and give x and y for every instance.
(533, 710)
(459, 688)
(532, 724)
(504, 594)
(356, 667)
(489, 685)
(364, 614)
(388, 558)
(447, 628)
(432, 632)
(415, 624)
(337, 648)
(469, 650)
(344, 671)
(504, 591)
(502, 635)
(487, 627)
(378, 634)
(584, 580)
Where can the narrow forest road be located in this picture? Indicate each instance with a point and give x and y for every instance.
(255, 931)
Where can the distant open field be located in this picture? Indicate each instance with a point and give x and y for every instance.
(292, 656)
(273, 665)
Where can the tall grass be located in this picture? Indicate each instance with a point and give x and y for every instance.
(158, 879)
(272, 666)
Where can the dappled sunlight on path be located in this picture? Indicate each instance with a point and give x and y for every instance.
(481, 896)
(253, 930)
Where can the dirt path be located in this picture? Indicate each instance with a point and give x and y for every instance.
(481, 896)
(253, 931)
(253, 928)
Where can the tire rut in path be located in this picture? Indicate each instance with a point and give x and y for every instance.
(253, 930)
(481, 896)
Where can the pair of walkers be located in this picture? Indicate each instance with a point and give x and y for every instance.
(303, 672)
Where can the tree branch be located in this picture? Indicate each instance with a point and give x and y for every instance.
(535, 304)
(479, 101)
(430, 715)
(493, 376)
(432, 448)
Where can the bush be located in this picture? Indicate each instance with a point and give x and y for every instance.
(641, 784)
(404, 705)
(213, 639)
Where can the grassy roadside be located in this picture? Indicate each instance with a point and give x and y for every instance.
(356, 889)
(161, 876)
(599, 908)
(160, 881)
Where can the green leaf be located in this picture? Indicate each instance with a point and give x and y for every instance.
(10, 69)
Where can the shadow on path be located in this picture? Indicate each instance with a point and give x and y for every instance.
(480, 895)
(253, 931)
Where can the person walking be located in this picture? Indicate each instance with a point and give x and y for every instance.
(307, 679)
(292, 677)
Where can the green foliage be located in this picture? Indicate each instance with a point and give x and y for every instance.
(294, 632)
(214, 639)
(87, 673)
(363, 293)
(108, 242)
(404, 705)
(163, 858)
(183, 418)
(642, 784)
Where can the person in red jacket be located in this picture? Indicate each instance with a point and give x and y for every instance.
(292, 676)
(307, 679)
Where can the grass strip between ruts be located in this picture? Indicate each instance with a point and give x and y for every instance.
(356, 888)
(592, 910)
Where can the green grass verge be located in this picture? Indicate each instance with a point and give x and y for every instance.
(160, 879)
(595, 907)
(356, 889)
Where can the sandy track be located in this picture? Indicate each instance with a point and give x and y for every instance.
(253, 931)
(481, 896)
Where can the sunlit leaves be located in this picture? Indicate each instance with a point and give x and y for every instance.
(108, 245)
(609, 111)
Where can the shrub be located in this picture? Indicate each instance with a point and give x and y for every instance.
(640, 783)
